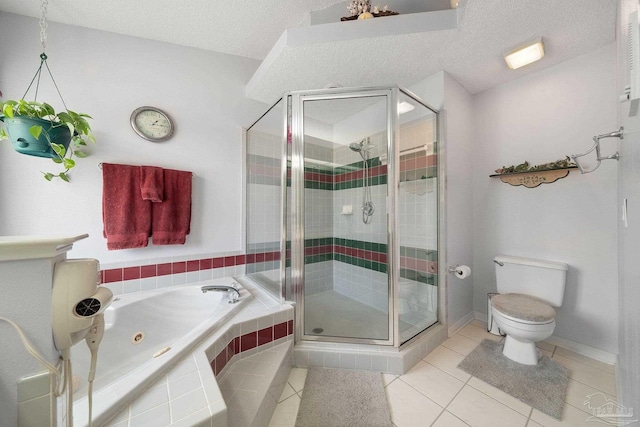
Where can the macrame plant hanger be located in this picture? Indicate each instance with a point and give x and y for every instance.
(43, 56)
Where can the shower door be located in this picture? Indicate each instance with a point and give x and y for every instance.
(339, 182)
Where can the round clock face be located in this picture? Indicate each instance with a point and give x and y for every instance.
(152, 124)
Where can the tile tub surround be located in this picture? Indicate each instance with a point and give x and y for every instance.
(189, 395)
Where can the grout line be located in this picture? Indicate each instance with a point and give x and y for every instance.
(529, 417)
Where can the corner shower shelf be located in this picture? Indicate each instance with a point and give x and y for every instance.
(532, 179)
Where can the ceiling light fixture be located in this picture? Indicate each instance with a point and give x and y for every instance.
(524, 54)
(405, 107)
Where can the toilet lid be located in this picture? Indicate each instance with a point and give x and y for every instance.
(524, 307)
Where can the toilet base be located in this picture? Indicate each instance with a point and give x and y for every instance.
(525, 353)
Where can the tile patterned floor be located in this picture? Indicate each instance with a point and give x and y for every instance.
(436, 393)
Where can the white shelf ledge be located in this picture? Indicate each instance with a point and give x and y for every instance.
(32, 247)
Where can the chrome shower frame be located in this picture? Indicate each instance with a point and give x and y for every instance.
(294, 134)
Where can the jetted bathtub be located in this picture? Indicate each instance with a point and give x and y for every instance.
(145, 334)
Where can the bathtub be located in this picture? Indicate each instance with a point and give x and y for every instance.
(145, 334)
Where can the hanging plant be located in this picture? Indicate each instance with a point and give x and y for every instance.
(35, 129)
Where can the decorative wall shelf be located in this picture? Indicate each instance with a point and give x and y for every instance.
(532, 179)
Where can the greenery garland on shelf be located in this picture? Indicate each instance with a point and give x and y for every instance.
(524, 167)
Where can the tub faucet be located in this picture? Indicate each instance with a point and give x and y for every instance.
(232, 291)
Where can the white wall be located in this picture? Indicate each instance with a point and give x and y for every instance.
(108, 76)
(628, 368)
(541, 118)
(459, 140)
(442, 92)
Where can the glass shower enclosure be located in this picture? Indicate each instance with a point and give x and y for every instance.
(342, 212)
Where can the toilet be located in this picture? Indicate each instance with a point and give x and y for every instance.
(529, 289)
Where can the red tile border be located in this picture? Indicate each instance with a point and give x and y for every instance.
(164, 269)
(249, 341)
(114, 275)
(178, 267)
(147, 271)
(193, 265)
(131, 273)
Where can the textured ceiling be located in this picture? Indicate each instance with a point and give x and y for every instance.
(471, 53)
(244, 28)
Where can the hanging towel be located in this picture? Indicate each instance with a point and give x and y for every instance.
(151, 183)
(171, 219)
(126, 217)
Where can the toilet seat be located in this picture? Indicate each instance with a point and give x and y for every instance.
(524, 309)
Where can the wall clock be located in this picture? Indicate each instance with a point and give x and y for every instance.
(152, 124)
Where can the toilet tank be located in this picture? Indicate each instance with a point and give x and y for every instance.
(539, 278)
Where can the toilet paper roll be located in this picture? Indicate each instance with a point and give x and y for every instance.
(462, 271)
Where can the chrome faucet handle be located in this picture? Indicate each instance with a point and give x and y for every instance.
(234, 296)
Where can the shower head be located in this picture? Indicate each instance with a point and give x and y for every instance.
(361, 146)
(357, 147)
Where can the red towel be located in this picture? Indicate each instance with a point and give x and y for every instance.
(171, 219)
(151, 183)
(126, 217)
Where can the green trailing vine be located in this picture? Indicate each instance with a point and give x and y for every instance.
(524, 167)
(76, 122)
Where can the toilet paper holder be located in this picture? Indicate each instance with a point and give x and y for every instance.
(461, 271)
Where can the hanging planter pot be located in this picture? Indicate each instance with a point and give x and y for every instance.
(22, 135)
(35, 128)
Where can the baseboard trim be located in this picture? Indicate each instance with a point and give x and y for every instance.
(468, 318)
(583, 349)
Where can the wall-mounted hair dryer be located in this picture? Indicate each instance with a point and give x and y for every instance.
(77, 302)
(77, 307)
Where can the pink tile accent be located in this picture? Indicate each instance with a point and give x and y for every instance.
(269, 256)
(148, 271)
(240, 259)
(193, 265)
(251, 258)
(421, 162)
(265, 335)
(218, 262)
(290, 327)
(131, 273)
(432, 160)
(229, 261)
(433, 267)
(260, 257)
(113, 275)
(421, 265)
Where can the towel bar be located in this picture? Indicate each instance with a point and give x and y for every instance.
(100, 167)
